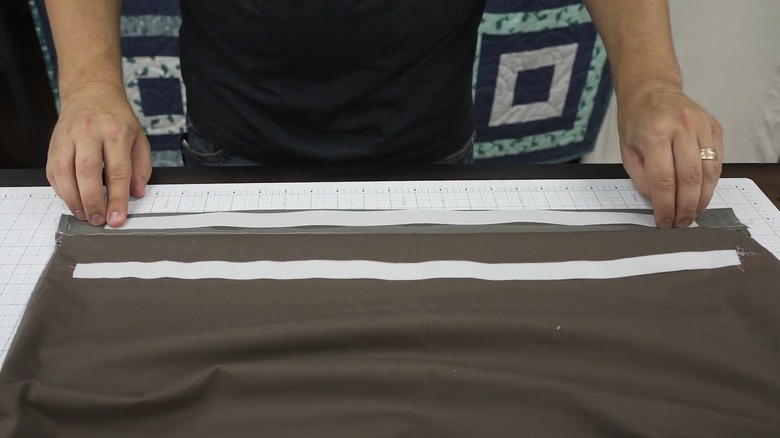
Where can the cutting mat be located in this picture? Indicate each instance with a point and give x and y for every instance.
(29, 215)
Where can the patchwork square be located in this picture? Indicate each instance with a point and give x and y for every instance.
(511, 84)
(541, 82)
(568, 51)
(533, 86)
(160, 96)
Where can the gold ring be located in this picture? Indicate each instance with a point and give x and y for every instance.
(709, 154)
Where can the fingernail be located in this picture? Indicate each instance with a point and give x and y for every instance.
(115, 217)
(666, 224)
(96, 219)
(80, 215)
(684, 224)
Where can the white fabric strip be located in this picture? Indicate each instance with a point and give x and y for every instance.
(365, 269)
(383, 218)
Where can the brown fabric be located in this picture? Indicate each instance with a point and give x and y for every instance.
(693, 354)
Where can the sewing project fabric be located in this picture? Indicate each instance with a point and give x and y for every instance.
(687, 351)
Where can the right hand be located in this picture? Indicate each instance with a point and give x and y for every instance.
(98, 131)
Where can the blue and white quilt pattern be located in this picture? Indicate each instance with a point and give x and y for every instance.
(152, 73)
(541, 82)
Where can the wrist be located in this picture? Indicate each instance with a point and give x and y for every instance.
(98, 85)
(649, 84)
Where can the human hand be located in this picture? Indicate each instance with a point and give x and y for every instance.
(662, 133)
(96, 132)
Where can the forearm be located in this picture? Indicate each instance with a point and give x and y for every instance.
(86, 35)
(638, 39)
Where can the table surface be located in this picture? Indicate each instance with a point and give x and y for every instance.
(766, 176)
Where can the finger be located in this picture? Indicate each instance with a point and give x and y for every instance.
(60, 166)
(659, 167)
(688, 172)
(635, 167)
(711, 169)
(51, 178)
(118, 172)
(89, 175)
(142, 166)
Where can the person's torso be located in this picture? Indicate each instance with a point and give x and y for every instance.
(338, 80)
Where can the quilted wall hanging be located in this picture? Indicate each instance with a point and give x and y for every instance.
(541, 78)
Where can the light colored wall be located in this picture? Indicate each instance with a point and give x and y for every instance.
(729, 52)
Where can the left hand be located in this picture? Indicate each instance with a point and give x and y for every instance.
(662, 132)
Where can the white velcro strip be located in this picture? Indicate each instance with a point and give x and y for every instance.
(382, 218)
(365, 269)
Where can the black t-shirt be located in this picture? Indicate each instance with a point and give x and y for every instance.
(331, 80)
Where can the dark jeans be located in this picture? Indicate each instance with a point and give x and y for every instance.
(198, 151)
